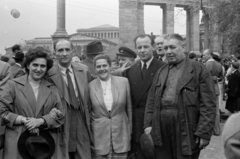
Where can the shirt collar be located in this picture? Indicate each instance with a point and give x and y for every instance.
(18, 64)
(63, 69)
(108, 81)
(147, 63)
(178, 65)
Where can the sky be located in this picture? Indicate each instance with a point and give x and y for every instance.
(38, 18)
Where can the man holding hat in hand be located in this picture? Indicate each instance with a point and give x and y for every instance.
(93, 49)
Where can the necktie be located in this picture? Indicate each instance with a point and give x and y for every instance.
(72, 94)
(144, 70)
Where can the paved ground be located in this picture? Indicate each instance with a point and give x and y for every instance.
(214, 150)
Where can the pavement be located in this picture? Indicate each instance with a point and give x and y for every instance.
(214, 150)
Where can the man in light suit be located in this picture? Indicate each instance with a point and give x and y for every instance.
(72, 81)
(215, 69)
(111, 113)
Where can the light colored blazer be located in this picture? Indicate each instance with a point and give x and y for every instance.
(18, 99)
(118, 123)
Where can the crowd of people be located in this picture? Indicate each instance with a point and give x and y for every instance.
(155, 102)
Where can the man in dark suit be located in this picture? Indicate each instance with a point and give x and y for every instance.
(93, 49)
(215, 69)
(140, 76)
(72, 81)
(16, 69)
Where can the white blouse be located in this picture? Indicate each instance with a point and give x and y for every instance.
(107, 93)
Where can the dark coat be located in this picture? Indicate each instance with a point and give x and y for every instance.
(196, 105)
(139, 91)
(233, 101)
(16, 71)
(90, 66)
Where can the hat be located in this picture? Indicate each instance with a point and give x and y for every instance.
(19, 55)
(124, 51)
(94, 48)
(40, 146)
(147, 146)
(235, 65)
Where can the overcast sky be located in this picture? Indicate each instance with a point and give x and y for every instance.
(38, 18)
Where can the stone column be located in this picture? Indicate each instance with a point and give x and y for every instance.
(128, 22)
(188, 34)
(168, 18)
(206, 31)
(214, 38)
(193, 29)
(141, 18)
(61, 30)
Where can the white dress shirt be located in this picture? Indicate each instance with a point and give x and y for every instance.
(64, 75)
(147, 63)
(107, 93)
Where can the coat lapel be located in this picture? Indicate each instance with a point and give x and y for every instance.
(99, 95)
(55, 75)
(115, 92)
(80, 81)
(43, 94)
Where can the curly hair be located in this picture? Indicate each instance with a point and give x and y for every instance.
(38, 52)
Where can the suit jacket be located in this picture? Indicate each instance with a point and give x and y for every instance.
(89, 63)
(196, 104)
(139, 91)
(18, 99)
(117, 123)
(4, 74)
(215, 69)
(16, 71)
(82, 78)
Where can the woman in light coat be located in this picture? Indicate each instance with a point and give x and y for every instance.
(26, 102)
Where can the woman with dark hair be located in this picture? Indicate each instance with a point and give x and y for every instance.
(26, 103)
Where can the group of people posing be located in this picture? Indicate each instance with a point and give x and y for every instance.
(68, 110)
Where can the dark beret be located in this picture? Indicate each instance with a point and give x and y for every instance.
(124, 51)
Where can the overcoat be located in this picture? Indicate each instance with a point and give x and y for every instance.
(18, 99)
(116, 124)
(196, 105)
(139, 90)
(90, 66)
(82, 77)
(233, 101)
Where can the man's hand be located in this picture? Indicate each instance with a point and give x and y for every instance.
(148, 130)
(202, 142)
(55, 113)
(33, 123)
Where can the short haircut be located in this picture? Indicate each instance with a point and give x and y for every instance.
(55, 44)
(98, 57)
(144, 36)
(16, 47)
(160, 36)
(174, 36)
(5, 58)
(210, 52)
(38, 52)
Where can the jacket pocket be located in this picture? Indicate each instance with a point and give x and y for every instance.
(189, 95)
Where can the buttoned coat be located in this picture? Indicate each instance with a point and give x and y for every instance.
(139, 91)
(16, 71)
(196, 105)
(82, 77)
(18, 99)
(116, 124)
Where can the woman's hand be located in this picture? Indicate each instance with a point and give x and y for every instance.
(55, 113)
(33, 123)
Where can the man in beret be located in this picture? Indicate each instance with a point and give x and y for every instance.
(93, 49)
(125, 55)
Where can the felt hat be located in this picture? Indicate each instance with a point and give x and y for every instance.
(147, 146)
(40, 146)
(19, 55)
(94, 48)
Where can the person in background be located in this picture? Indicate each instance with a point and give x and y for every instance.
(111, 112)
(26, 103)
(5, 58)
(76, 59)
(17, 69)
(114, 64)
(159, 48)
(126, 55)
(192, 56)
